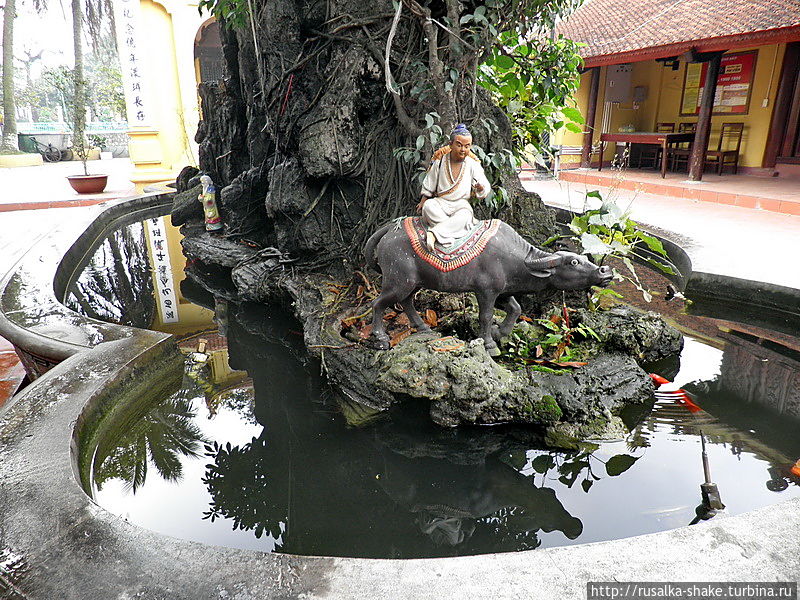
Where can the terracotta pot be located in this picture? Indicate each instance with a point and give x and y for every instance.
(88, 184)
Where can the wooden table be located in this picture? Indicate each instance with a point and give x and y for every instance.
(646, 137)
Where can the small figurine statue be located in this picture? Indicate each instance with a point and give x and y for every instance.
(208, 198)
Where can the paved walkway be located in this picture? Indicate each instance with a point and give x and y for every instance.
(721, 239)
(46, 186)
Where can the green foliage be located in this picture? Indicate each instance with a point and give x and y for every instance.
(97, 141)
(533, 80)
(555, 339)
(609, 231)
(235, 13)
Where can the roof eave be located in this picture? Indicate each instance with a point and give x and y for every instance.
(727, 42)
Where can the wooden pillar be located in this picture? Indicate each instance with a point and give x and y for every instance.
(591, 112)
(703, 131)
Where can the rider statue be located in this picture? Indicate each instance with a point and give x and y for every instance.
(454, 176)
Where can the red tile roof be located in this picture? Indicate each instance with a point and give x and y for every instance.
(613, 27)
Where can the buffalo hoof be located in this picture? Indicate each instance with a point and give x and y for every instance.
(380, 343)
(492, 350)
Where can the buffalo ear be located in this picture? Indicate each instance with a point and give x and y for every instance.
(541, 272)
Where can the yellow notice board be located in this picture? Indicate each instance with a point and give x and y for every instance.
(734, 85)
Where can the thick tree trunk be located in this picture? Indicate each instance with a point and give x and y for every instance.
(300, 137)
(9, 143)
(79, 103)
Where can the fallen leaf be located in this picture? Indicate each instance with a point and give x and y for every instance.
(349, 322)
(399, 337)
(402, 319)
(365, 332)
(430, 318)
(539, 351)
(543, 362)
(389, 315)
(526, 319)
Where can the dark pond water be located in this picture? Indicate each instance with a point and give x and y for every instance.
(253, 449)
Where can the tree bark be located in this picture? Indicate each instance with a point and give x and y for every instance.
(79, 102)
(10, 143)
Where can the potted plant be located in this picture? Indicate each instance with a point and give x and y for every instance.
(83, 184)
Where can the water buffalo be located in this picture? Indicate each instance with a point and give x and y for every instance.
(508, 265)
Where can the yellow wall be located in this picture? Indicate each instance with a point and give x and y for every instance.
(163, 83)
(664, 92)
(191, 317)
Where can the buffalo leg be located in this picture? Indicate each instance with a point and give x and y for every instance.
(387, 297)
(513, 311)
(412, 314)
(486, 302)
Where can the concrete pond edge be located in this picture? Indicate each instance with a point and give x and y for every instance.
(63, 545)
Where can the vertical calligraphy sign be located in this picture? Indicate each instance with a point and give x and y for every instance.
(127, 15)
(165, 287)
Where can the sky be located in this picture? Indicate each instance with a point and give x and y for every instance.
(50, 31)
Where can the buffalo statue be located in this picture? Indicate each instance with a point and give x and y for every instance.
(507, 265)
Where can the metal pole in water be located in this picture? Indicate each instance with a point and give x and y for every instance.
(709, 490)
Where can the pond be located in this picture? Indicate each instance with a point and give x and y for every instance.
(254, 450)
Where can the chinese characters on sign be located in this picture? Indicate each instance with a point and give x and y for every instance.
(126, 15)
(165, 288)
(734, 85)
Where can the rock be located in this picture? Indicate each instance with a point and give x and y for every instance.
(644, 335)
(184, 179)
(215, 250)
(186, 207)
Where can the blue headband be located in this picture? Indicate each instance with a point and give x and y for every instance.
(460, 129)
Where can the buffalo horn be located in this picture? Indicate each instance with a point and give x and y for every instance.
(546, 262)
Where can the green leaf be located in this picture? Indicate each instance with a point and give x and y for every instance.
(663, 267)
(652, 242)
(504, 62)
(586, 484)
(543, 463)
(574, 128)
(573, 113)
(594, 245)
(620, 463)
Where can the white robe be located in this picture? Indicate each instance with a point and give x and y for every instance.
(447, 212)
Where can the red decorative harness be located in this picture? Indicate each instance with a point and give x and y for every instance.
(457, 256)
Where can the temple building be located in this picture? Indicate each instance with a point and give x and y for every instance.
(725, 70)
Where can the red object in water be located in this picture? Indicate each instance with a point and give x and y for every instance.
(682, 397)
(796, 468)
(658, 379)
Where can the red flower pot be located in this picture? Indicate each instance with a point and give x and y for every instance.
(88, 184)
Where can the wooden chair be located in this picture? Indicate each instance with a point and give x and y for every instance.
(679, 154)
(727, 152)
(652, 154)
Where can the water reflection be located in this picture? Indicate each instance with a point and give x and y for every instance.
(160, 436)
(116, 285)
